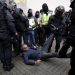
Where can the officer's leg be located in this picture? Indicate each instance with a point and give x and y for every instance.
(7, 53)
(63, 51)
(17, 45)
(41, 36)
(72, 62)
(45, 33)
(25, 37)
(48, 32)
(1, 52)
(58, 41)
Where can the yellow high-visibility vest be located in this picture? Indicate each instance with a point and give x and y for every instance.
(45, 18)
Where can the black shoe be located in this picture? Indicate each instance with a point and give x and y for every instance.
(8, 68)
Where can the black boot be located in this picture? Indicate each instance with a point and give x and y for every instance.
(8, 67)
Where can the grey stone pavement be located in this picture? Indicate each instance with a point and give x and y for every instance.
(54, 66)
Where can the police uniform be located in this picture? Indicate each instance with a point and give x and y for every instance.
(45, 27)
(70, 41)
(6, 26)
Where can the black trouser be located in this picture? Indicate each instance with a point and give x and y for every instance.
(46, 56)
(17, 44)
(72, 62)
(64, 49)
(69, 42)
(5, 52)
(41, 32)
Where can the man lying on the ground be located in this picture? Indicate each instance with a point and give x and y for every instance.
(33, 57)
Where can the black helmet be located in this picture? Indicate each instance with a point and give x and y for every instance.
(60, 9)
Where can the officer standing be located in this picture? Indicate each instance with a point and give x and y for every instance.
(6, 26)
(21, 26)
(45, 15)
(57, 23)
(70, 40)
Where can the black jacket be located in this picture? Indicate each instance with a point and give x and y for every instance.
(72, 26)
(6, 24)
(21, 21)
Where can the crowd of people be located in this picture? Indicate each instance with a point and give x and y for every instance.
(26, 33)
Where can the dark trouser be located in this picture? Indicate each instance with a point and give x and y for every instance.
(72, 62)
(17, 44)
(48, 43)
(5, 52)
(46, 32)
(25, 37)
(41, 32)
(46, 56)
(58, 41)
(69, 42)
(64, 49)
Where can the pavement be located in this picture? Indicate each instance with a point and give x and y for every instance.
(54, 66)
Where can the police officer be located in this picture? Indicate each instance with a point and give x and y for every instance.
(44, 22)
(70, 41)
(6, 26)
(21, 26)
(58, 23)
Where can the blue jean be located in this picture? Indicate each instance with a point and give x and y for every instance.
(31, 38)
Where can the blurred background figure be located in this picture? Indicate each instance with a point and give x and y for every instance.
(32, 27)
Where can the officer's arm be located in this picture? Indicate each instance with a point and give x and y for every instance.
(50, 23)
(10, 21)
(24, 19)
(26, 22)
(27, 60)
(63, 23)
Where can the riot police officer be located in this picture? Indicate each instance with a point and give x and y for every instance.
(45, 15)
(70, 41)
(6, 27)
(58, 23)
(21, 26)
